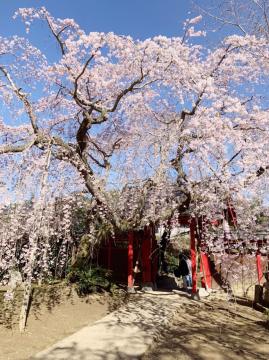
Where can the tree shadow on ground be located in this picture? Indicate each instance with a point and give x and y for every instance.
(53, 295)
(124, 334)
(45, 299)
(42, 297)
(73, 352)
(200, 332)
(183, 329)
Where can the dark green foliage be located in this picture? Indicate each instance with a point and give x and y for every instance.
(90, 280)
(172, 261)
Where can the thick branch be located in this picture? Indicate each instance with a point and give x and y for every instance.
(16, 149)
(82, 137)
(262, 170)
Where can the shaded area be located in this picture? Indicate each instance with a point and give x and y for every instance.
(45, 297)
(74, 352)
(215, 330)
(54, 315)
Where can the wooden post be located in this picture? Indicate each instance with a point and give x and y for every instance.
(259, 267)
(130, 260)
(193, 255)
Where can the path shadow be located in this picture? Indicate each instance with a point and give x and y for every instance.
(201, 333)
(73, 352)
(124, 334)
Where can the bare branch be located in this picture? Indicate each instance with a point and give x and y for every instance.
(57, 36)
(233, 157)
(126, 91)
(81, 73)
(103, 165)
(201, 94)
(105, 155)
(22, 96)
(221, 20)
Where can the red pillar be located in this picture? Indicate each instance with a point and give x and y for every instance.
(259, 267)
(205, 268)
(146, 261)
(130, 259)
(154, 260)
(193, 255)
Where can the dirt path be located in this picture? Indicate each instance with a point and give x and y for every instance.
(208, 330)
(50, 320)
(215, 330)
(125, 334)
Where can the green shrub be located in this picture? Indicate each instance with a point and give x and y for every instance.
(90, 280)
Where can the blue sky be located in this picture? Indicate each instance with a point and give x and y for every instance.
(138, 18)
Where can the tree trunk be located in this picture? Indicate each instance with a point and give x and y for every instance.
(25, 304)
